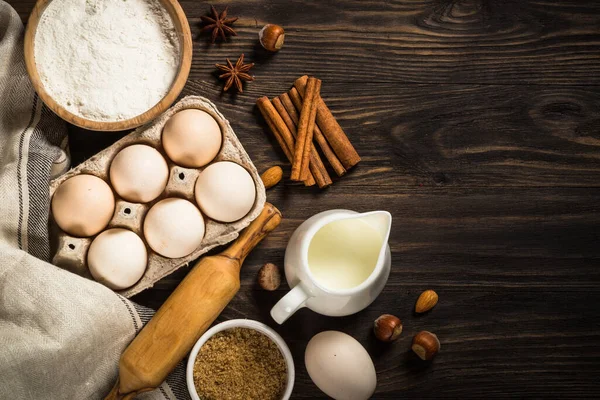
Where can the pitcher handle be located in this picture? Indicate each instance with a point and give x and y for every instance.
(289, 304)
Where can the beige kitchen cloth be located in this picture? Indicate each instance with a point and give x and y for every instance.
(61, 335)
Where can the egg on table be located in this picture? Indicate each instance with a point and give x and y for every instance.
(225, 191)
(174, 227)
(83, 205)
(139, 173)
(340, 366)
(117, 258)
(192, 138)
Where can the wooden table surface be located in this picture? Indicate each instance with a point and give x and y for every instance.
(478, 123)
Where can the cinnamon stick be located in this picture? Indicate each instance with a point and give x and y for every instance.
(306, 127)
(281, 132)
(316, 164)
(293, 102)
(331, 129)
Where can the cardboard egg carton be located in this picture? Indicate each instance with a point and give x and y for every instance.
(71, 252)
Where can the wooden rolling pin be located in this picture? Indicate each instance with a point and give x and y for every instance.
(187, 313)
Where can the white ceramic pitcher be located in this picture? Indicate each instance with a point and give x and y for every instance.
(308, 290)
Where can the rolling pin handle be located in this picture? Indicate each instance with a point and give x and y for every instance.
(269, 219)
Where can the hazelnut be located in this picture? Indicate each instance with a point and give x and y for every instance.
(387, 328)
(426, 345)
(269, 277)
(426, 301)
(271, 37)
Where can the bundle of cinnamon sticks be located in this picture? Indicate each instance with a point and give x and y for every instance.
(298, 119)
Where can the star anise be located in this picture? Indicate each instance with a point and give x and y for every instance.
(235, 73)
(219, 24)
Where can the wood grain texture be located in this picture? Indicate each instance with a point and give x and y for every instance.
(478, 124)
(419, 41)
(432, 135)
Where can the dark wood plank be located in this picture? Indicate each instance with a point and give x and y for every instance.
(473, 41)
(439, 236)
(443, 135)
(423, 41)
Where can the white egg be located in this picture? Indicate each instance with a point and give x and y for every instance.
(225, 191)
(83, 205)
(117, 258)
(139, 173)
(192, 138)
(340, 366)
(174, 227)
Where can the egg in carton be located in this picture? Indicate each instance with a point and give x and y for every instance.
(71, 251)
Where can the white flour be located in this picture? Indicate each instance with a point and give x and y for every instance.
(106, 60)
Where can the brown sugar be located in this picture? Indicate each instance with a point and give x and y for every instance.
(240, 364)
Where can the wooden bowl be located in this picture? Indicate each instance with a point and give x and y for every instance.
(183, 32)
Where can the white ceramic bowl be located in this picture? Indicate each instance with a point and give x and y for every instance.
(242, 323)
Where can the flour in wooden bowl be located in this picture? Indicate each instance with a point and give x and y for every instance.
(106, 60)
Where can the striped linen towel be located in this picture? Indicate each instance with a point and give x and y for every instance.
(61, 335)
